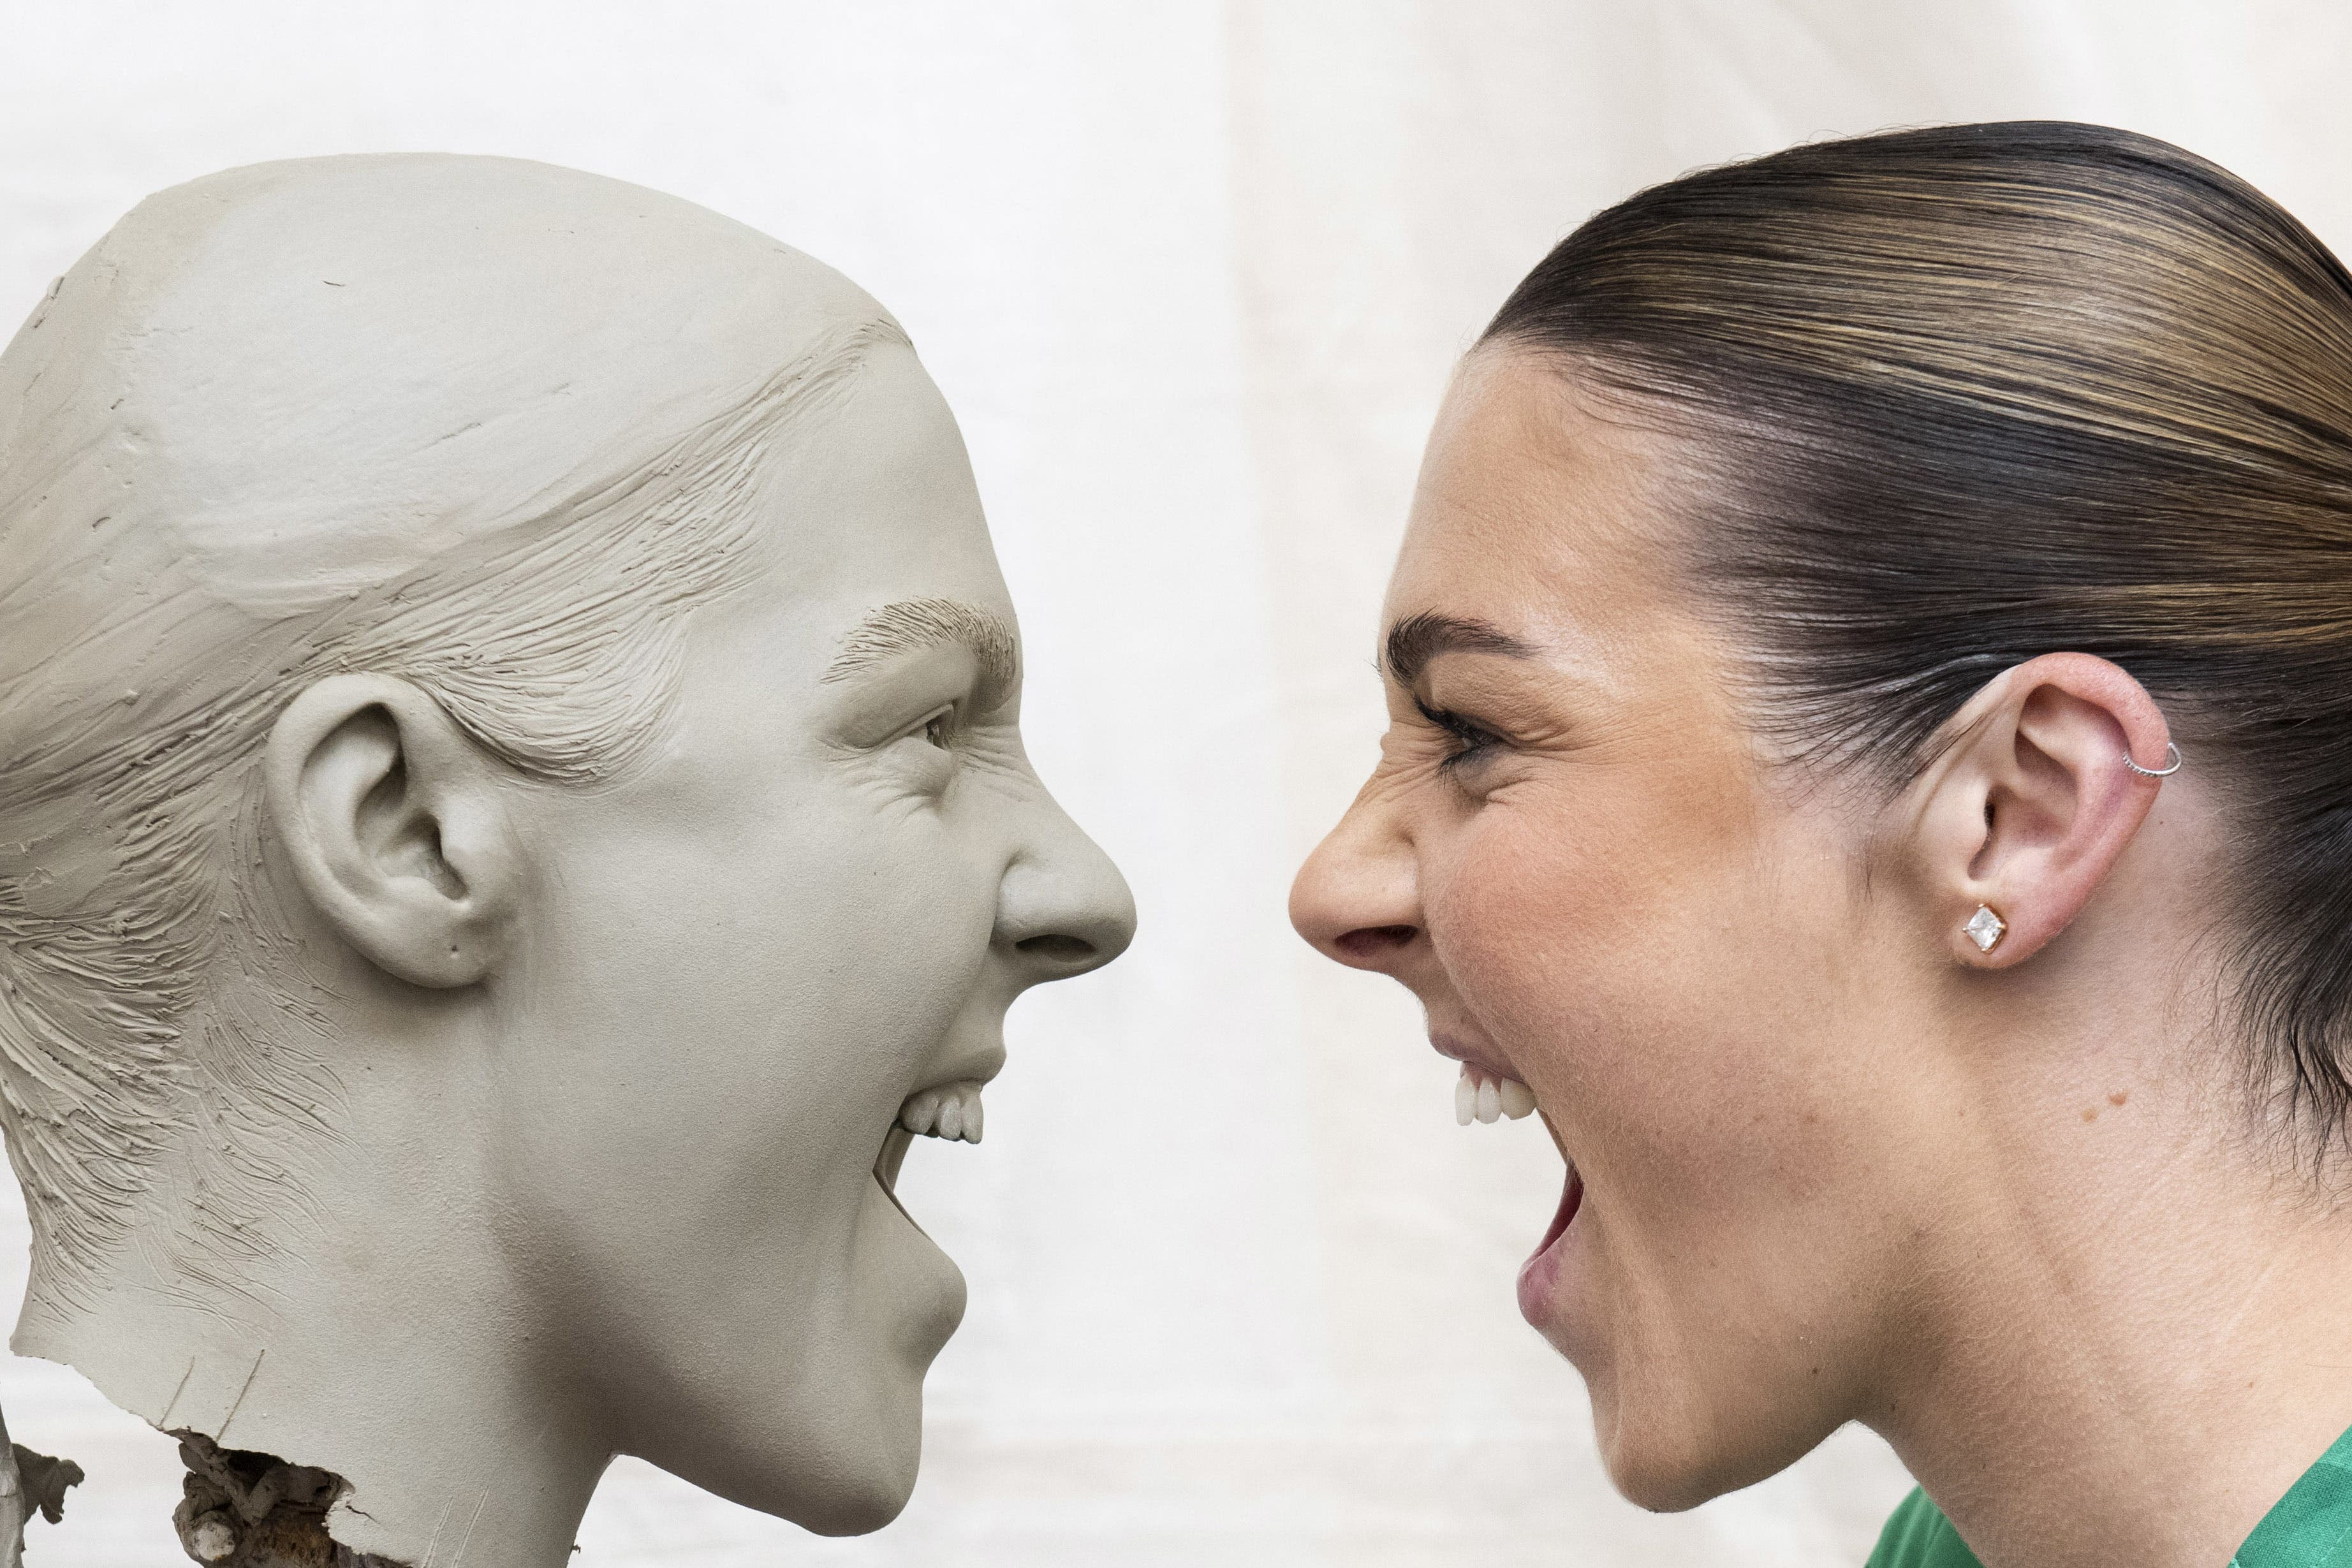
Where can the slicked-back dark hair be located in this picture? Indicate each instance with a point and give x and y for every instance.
(1978, 392)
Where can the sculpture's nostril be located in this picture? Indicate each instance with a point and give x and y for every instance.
(1058, 949)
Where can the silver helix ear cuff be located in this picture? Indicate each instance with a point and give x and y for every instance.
(1985, 928)
(2170, 751)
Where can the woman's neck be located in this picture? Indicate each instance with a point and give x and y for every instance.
(2138, 1333)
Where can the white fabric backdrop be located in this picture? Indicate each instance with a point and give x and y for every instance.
(1192, 276)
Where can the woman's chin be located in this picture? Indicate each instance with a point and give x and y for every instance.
(1653, 1471)
(1663, 1456)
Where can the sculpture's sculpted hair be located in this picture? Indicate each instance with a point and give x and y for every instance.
(1969, 395)
(488, 427)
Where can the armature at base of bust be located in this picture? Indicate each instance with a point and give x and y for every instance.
(30, 1484)
(255, 1511)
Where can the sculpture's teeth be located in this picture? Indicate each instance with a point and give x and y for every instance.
(1478, 1098)
(950, 1111)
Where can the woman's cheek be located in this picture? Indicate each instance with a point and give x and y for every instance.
(1539, 884)
(1510, 917)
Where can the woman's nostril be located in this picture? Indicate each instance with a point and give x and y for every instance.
(1369, 943)
(1057, 948)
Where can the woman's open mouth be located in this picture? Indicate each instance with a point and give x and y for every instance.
(1541, 1270)
(1485, 1096)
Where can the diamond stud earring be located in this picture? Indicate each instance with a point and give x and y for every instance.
(1985, 928)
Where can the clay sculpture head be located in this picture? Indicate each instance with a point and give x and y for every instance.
(511, 790)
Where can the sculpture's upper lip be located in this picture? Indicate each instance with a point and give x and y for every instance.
(977, 1065)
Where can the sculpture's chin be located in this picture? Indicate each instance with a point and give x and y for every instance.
(877, 1471)
(863, 1511)
(836, 1449)
(932, 1322)
(932, 1305)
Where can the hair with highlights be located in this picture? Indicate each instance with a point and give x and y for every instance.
(1965, 395)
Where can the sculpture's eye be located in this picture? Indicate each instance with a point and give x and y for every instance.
(938, 727)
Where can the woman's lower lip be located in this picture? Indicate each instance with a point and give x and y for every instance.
(1540, 1273)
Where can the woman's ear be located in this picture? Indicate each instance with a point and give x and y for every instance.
(392, 818)
(2025, 812)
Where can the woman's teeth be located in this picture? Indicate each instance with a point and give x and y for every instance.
(1478, 1098)
(950, 1111)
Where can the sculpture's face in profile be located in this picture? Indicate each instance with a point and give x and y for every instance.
(731, 970)
(564, 706)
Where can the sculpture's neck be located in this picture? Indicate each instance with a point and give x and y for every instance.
(414, 1432)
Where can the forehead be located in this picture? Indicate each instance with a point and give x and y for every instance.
(333, 370)
(1541, 505)
(872, 502)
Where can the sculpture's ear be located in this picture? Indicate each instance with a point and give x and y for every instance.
(393, 819)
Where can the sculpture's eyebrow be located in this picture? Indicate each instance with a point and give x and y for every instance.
(1414, 641)
(913, 624)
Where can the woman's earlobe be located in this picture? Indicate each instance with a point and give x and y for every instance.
(388, 815)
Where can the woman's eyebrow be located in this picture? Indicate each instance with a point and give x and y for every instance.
(1414, 641)
(913, 624)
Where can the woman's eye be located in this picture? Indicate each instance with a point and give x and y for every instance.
(1470, 741)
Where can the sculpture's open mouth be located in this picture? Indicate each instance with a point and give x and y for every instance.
(950, 1111)
(893, 1156)
(885, 1170)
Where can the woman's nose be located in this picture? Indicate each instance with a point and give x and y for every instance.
(1063, 908)
(1356, 900)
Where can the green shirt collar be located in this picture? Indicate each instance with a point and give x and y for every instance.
(2311, 1526)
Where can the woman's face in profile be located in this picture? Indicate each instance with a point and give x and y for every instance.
(816, 904)
(1572, 853)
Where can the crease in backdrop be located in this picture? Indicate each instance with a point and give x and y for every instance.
(1192, 276)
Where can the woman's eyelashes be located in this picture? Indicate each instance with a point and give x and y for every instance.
(1471, 744)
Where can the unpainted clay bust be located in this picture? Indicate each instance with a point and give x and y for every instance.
(511, 812)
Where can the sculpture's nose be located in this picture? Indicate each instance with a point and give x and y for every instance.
(1062, 907)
